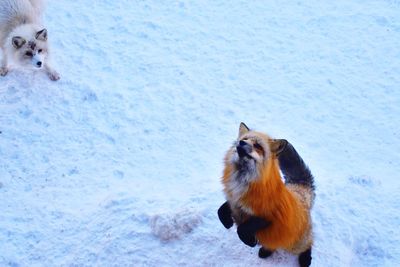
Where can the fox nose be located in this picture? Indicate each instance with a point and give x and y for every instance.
(39, 63)
(243, 149)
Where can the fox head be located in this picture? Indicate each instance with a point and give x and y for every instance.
(30, 49)
(251, 152)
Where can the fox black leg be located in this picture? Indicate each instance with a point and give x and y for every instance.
(247, 230)
(305, 258)
(292, 165)
(264, 253)
(225, 215)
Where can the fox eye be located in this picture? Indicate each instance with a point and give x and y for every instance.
(29, 54)
(258, 147)
(40, 51)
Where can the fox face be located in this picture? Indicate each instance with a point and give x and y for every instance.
(249, 153)
(31, 52)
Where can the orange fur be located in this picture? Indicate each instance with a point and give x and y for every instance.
(270, 199)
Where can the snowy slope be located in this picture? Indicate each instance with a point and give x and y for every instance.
(119, 163)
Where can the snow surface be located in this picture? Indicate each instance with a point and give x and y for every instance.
(119, 163)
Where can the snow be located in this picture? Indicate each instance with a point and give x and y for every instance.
(167, 226)
(119, 162)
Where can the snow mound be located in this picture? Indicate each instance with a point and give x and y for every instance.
(173, 226)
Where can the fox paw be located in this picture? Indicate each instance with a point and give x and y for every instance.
(264, 253)
(3, 71)
(305, 258)
(225, 215)
(53, 75)
(247, 237)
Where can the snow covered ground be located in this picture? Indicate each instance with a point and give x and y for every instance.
(119, 163)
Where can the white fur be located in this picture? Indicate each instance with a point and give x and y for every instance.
(237, 188)
(14, 13)
(239, 181)
(38, 58)
(23, 18)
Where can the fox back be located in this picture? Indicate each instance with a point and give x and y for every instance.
(14, 13)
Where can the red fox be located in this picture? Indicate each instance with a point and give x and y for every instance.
(266, 209)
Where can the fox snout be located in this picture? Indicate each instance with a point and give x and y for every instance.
(37, 60)
(243, 149)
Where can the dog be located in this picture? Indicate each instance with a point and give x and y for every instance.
(23, 39)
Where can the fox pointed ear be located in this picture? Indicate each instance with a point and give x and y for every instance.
(243, 129)
(41, 35)
(18, 41)
(277, 145)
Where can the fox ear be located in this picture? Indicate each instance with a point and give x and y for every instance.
(277, 145)
(18, 42)
(243, 129)
(41, 35)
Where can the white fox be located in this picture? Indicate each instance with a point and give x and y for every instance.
(23, 39)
